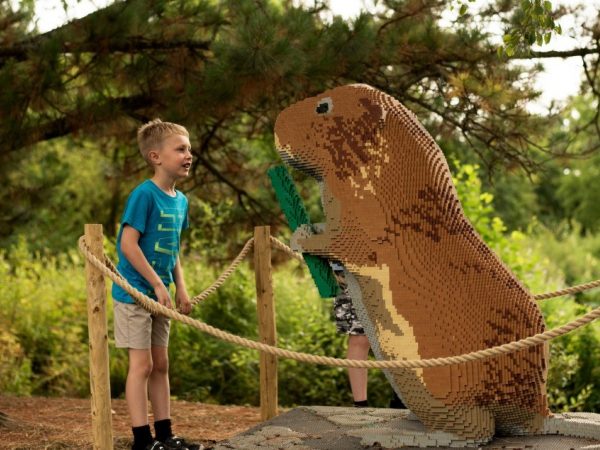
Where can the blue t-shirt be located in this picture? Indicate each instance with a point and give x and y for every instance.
(160, 219)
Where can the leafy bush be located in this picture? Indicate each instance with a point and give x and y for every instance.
(43, 318)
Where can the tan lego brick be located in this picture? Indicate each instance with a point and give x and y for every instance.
(424, 283)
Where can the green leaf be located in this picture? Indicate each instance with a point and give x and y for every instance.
(539, 39)
(548, 5)
(547, 37)
(463, 10)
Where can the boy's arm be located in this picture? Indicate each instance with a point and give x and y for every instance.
(182, 299)
(132, 251)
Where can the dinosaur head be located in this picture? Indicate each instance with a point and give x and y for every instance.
(334, 133)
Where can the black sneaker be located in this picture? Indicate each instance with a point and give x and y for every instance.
(156, 445)
(178, 443)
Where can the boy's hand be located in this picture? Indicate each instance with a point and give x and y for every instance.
(162, 295)
(182, 299)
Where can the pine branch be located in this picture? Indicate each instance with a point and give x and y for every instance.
(558, 53)
(22, 51)
(74, 121)
(222, 178)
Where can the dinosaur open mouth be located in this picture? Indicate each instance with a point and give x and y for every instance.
(297, 164)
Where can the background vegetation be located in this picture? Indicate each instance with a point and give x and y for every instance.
(67, 124)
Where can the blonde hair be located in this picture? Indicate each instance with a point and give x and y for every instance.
(151, 134)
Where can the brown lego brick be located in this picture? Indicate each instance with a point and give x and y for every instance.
(424, 283)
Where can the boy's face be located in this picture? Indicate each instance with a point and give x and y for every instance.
(173, 158)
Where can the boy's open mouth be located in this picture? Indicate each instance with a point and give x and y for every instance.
(187, 165)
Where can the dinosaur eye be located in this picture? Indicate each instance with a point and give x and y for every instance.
(325, 106)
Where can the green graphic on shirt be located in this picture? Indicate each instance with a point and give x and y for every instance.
(163, 227)
(171, 224)
(166, 251)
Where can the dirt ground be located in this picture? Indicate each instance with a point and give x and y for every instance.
(64, 423)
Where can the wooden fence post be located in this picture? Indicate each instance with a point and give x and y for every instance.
(266, 321)
(98, 336)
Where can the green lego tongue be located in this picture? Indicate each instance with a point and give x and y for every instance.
(296, 215)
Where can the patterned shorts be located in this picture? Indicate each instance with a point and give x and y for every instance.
(346, 320)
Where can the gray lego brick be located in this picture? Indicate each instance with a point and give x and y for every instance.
(340, 428)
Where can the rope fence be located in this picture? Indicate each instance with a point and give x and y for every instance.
(108, 269)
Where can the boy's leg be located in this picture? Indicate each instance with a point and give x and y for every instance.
(133, 326)
(136, 393)
(136, 387)
(158, 384)
(159, 389)
(358, 348)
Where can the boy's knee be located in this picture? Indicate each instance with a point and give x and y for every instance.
(161, 366)
(142, 368)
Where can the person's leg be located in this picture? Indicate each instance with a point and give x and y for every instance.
(136, 387)
(136, 394)
(159, 387)
(132, 325)
(358, 348)
(158, 384)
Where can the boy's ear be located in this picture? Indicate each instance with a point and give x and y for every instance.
(153, 157)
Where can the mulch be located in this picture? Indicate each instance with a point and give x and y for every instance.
(65, 423)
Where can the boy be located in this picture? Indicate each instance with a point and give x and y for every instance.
(148, 249)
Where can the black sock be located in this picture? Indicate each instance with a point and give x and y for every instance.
(162, 429)
(361, 404)
(141, 437)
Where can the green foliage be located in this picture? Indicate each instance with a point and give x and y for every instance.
(573, 375)
(578, 193)
(577, 256)
(567, 188)
(44, 321)
(55, 189)
(533, 24)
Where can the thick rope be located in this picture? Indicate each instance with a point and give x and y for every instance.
(226, 274)
(156, 308)
(285, 249)
(569, 290)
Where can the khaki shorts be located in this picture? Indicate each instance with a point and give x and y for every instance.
(137, 328)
